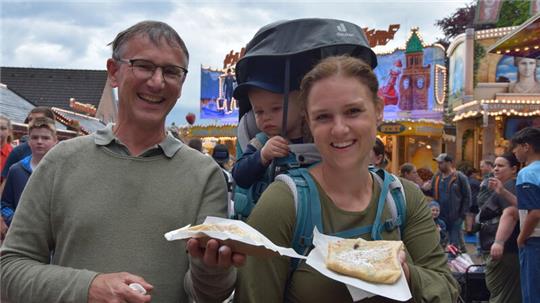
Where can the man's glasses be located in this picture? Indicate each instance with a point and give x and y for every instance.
(144, 70)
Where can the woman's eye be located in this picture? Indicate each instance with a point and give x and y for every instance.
(354, 111)
(322, 117)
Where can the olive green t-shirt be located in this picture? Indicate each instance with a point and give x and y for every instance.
(265, 279)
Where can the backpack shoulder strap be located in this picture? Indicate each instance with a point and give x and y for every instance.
(259, 140)
(308, 209)
(393, 194)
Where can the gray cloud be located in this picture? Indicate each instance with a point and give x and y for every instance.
(70, 34)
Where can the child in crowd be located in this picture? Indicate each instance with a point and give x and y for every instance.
(42, 137)
(266, 100)
(441, 226)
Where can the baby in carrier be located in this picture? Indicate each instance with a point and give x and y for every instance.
(252, 170)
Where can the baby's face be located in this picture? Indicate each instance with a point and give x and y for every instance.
(268, 110)
(435, 212)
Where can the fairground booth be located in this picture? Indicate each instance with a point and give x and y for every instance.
(412, 86)
(494, 87)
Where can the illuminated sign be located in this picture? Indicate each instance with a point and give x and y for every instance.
(391, 128)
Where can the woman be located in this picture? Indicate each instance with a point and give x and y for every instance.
(5, 140)
(526, 82)
(499, 232)
(342, 111)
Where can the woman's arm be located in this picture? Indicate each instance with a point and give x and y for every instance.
(264, 279)
(507, 223)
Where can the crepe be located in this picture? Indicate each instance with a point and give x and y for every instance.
(226, 228)
(372, 261)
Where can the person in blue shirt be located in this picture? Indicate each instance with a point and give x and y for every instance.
(42, 137)
(526, 148)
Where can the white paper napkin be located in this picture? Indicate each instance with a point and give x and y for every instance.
(256, 238)
(358, 289)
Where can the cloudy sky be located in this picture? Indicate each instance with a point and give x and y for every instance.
(75, 34)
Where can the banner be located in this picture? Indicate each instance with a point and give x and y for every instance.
(487, 11)
(217, 102)
(412, 84)
(535, 7)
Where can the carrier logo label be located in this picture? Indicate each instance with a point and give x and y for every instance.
(342, 31)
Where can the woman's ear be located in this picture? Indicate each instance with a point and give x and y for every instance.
(379, 110)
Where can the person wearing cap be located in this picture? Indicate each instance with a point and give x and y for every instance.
(452, 190)
(266, 98)
(220, 153)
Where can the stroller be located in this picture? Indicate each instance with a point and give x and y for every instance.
(288, 50)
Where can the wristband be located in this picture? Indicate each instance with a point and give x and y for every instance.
(499, 242)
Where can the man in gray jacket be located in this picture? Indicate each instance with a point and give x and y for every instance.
(452, 190)
(92, 218)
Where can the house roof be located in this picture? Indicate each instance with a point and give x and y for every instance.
(54, 87)
(16, 108)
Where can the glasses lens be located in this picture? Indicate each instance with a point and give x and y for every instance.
(143, 69)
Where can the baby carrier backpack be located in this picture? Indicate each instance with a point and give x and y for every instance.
(288, 50)
(308, 209)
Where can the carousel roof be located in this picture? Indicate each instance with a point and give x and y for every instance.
(524, 41)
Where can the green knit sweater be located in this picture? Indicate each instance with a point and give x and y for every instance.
(99, 211)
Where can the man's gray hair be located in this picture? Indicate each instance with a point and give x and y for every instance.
(154, 30)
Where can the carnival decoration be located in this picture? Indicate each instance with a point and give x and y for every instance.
(217, 102)
(412, 80)
(190, 118)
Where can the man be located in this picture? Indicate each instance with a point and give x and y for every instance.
(220, 153)
(97, 206)
(451, 189)
(526, 148)
(42, 137)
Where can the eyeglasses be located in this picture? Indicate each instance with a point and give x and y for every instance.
(144, 70)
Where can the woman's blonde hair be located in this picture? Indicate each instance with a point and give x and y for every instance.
(340, 65)
(10, 128)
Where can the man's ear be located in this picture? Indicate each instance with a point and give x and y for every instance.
(112, 71)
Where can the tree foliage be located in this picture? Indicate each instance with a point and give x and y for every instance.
(512, 13)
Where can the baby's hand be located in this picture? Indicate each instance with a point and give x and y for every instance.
(275, 147)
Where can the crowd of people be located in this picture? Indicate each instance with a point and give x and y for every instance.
(90, 220)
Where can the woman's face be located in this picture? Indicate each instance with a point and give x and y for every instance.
(526, 67)
(503, 171)
(4, 131)
(343, 120)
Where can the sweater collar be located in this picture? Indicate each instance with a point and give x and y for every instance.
(106, 137)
